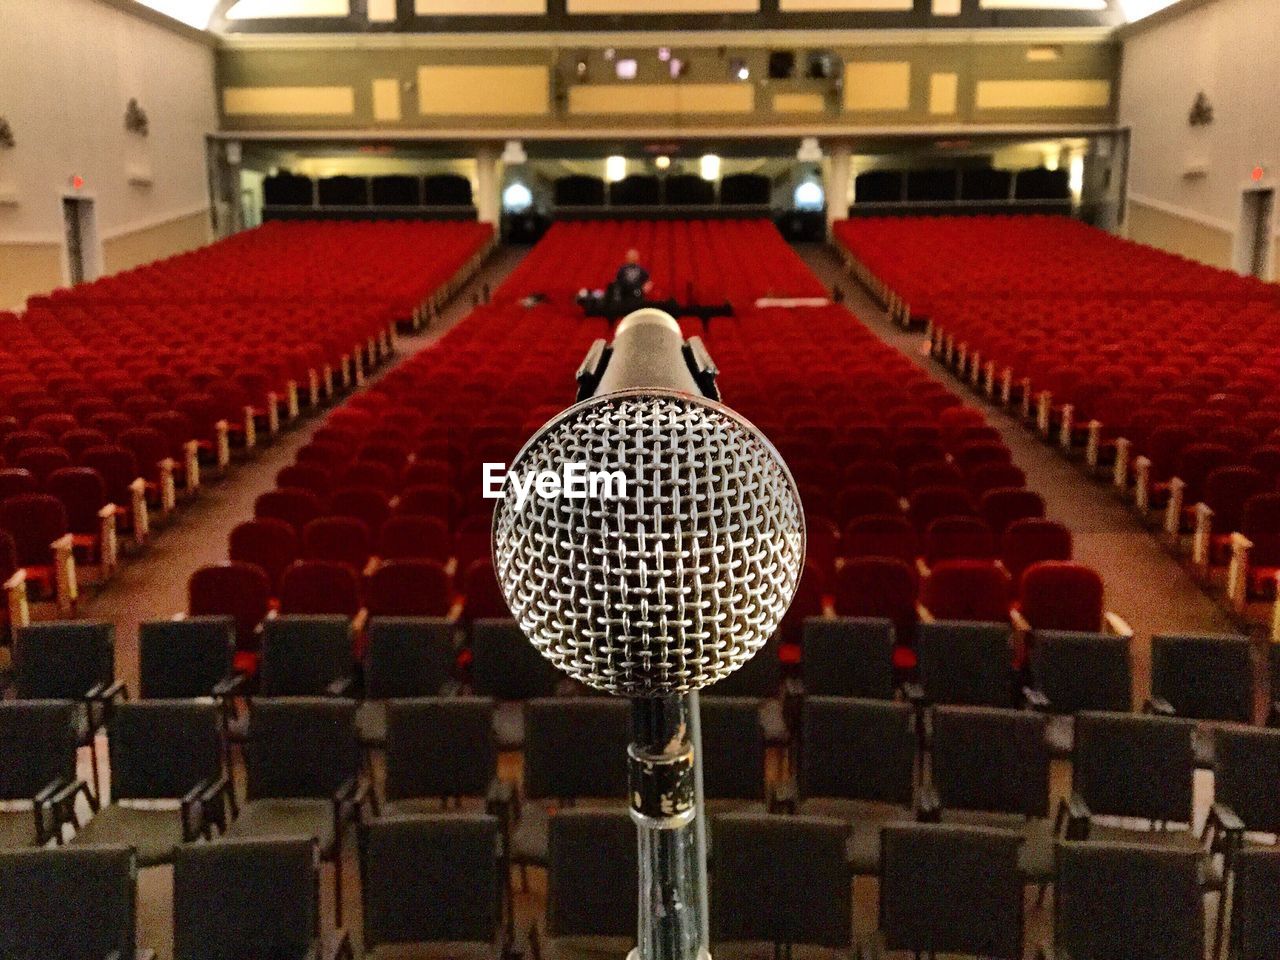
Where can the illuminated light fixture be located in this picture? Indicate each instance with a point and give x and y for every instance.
(615, 168)
(1052, 159)
(517, 198)
(513, 153)
(194, 13)
(1137, 9)
(1075, 176)
(664, 54)
(743, 72)
(77, 182)
(810, 151)
(610, 53)
(709, 167)
(677, 67)
(626, 69)
(1043, 54)
(809, 195)
(1258, 174)
(662, 162)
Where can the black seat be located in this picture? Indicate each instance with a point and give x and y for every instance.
(1074, 671)
(181, 659)
(1204, 678)
(1255, 907)
(38, 741)
(405, 657)
(733, 751)
(592, 888)
(951, 889)
(966, 663)
(306, 655)
(848, 657)
(72, 903)
(507, 667)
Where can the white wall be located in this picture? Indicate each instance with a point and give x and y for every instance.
(1227, 49)
(67, 71)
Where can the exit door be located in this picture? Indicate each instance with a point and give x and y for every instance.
(1253, 249)
(81, 239)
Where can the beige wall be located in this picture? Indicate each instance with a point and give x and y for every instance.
(27, 268)
(1179, 234)
(153, 243)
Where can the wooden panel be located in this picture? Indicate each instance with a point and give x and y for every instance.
(475, 8)
(288, 101)
(877, 86)
(946, 8)
(1181, 235)
(381, 11)
(255, 9)
(27, 269)
(151, 243)
(662, 6)
(668, 98)
(480, 91)
(386, 99)
(793, 6)
(1042, 94)
(798, 103)
(942, 92)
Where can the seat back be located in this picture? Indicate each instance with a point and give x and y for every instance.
(245, 898)
(780, 880)
(303, 747)
(241, 591)
(1246, 771)
(409, 588)
(270, 543)
(1112, 897)
(160, 749)
(951, 889)
(73, 903)
(857, 749)
(990, 760)
(506, 665)
(968, 590)
(431, 879)
(966, 663)
(303, 654)
(408, 656)
(1059, 595)
(591, 874)
(34, 520)
(320, 587)
(576, 747)
(63, 659)
(1082, 671)
(38, 743)
(1204, 677)
(1032, 540)
(1255, 918)
(732, 747)
(1133, 765)
(848, 657)
(440, 747)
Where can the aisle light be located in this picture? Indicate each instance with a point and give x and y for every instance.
(809, 196)
(1075, 177)
(517, 198)
(662, 161)
(615, 168)
(709, 167)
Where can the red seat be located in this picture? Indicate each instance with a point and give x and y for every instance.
(42, 461)
(993, 476)
(414, 537)
(15, 480)
(409, 588)
(307, 476)
(1061, 595)
(473, 540)
(968, 590)
(958, 538)
(429, 501)
(1226, 490)
(483, 596)
(879, 587)
(366, 504)
(267, 542)
(1261, 525)
(934, 474)
(931, 503)
(343, 539)
(80, 439)
(238, 590)
(119, 469)
(807, 602)
(369, 473)
(294, 505)
(880, 535)
(320, 587)
(149, 447)
(1032, 540)
(864, 501)
(82, 494)
(1004, 505)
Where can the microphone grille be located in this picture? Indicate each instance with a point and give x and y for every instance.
(670, 583)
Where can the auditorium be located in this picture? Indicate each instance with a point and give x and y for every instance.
(646, 479)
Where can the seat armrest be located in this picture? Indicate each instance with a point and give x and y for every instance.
(929, 807)
(192, 809)
(1036, 700)
(117, 689)
(15, 589)
(784, 797)
(1273, 715)
(1073, 818)
(923, 613)
(228, 686)
(1226, 819)
(46, 830)
(1018, 621)
(359, 621)
(62, 801)
(218, 797)
(914, 693)
(498, 799)
(352, 795)
(335, 945)
(1117, 625)
(340, 687)
(1159, 706)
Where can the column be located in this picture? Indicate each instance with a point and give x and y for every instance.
(488, 185)
(836, 179)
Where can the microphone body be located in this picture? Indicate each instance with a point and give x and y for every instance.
(657, 592)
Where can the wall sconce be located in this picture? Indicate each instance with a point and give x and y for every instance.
(135, 119)
(6, 134)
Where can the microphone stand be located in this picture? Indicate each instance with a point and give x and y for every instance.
(664, 792)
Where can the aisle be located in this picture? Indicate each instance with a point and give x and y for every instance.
(154, 586)
(1144, 584)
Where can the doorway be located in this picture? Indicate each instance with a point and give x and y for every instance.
(1253, 244)
(80, 240)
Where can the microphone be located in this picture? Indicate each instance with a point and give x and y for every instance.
(667, 567)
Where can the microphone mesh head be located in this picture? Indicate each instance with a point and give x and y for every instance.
(671, 585)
